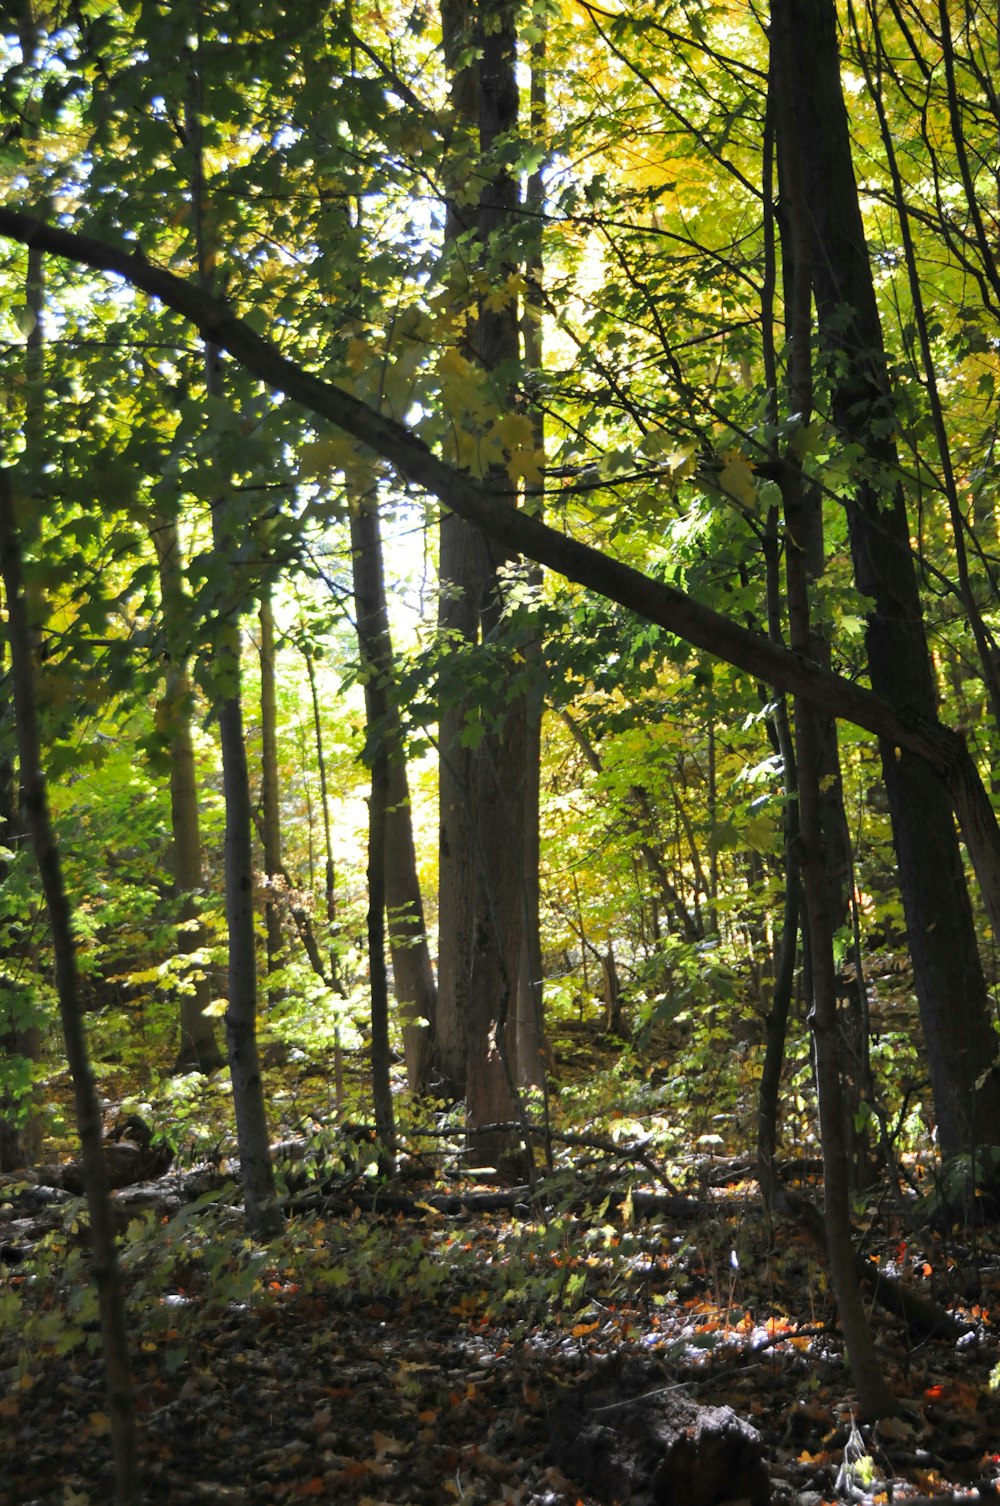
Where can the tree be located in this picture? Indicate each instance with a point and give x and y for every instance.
(270, 815)
(392, 826)
(199, 1050)
(483, 749)
(104, 1263)
(654, 600)
(947, 970)
(659, 417)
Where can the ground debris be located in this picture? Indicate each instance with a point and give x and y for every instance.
(630, 1435)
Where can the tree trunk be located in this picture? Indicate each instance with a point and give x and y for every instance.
(483, 790)
(20, 1038)
(330, 973)
(270, 794)
(104, 1266)
(464, 570)
(874, 1397)
(378, 802)
(199, 1050)
(413, 975)
(948, 975)
(257, 1171)
(20, 1121)
(530, 1008)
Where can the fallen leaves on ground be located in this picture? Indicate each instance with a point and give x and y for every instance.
(392, 1363)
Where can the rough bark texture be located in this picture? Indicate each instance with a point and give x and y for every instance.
(241, 1013)
(941, 935)
(482, 910)
(629, 1435)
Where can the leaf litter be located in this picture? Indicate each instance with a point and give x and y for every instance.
(413, 1360)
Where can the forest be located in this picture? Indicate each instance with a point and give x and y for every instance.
(499, 736)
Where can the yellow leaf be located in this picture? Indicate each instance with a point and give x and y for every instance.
(681, 463)
(99, 1422)
(321, 456)
(453, 367)
(736, 480)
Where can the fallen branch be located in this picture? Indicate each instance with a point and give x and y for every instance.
(919, 1313)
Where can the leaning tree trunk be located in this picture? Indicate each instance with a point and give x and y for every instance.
(104, 1266)
(948, 976)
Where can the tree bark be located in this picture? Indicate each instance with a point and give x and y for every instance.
(484, 787)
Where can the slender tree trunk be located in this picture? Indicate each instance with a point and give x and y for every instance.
(20, 1121)
(257, 1173)
(20, 1038)
(948, 975)
(270, 793)
(332, 974)
(530, 1009)
(199, 1050)
(378, 802)
(104, 1266)
(874, 1397)
(252, 1134)
(413, 976)
(329, 867)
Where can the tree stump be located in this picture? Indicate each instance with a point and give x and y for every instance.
(628, 1435)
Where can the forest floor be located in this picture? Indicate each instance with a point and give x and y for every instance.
(417, 1359)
